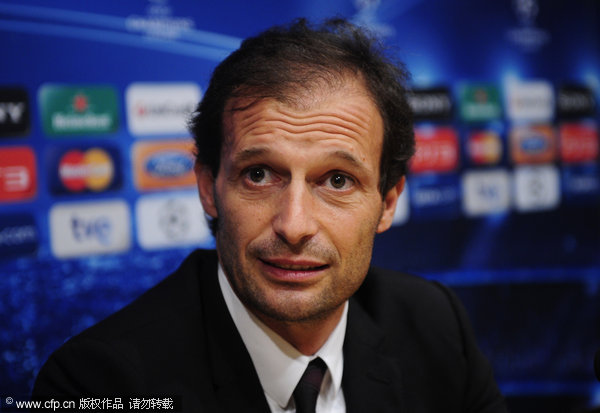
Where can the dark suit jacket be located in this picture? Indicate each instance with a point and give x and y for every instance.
(408, 348)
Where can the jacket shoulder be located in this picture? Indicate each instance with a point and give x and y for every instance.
(162, 325)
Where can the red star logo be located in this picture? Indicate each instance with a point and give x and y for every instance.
(80, 103)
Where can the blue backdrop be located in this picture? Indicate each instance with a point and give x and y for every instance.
(97, 201)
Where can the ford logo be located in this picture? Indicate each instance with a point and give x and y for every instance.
(169, 164)
(534, 144)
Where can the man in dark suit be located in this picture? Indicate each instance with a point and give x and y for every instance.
(302, 138)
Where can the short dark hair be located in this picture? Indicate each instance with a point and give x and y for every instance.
(283, 60)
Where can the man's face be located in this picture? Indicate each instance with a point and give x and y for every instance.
(297, 201)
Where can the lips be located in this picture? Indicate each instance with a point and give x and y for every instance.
(293, 270)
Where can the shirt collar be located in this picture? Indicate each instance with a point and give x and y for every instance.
(278, 364)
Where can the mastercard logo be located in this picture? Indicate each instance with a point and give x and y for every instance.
(484, 147)
(92, 169)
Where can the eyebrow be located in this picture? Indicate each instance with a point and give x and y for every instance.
(251, 153)
(347, 156)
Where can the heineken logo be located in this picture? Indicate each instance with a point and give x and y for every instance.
(78, 110)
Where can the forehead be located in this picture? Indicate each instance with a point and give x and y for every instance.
(338, 109)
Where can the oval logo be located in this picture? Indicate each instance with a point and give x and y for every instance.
(169, 164)
(534, 144)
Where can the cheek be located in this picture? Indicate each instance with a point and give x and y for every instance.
(242, 218)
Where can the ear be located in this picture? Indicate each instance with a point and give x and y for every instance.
(389, 206)
(206, 189)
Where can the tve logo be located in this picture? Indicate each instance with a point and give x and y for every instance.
(18, 235)
(436, 150)
(171, 221)
(537, 188)
(78, 110)
(533, 144)
(486, 192)
(578, 142)
(160, 108)
(78, 229)
(14, 112)
(530, 101)
(17, 174)
(91, 169)
(164, 164)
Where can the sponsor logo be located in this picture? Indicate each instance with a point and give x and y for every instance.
(14, 112)
(480, 103)
(164, 164)
(484, 147)
(17, 174)
(486, 192)
(171, 221)
(533, 144)
(581, 182)
(578, 142)
(78, 110)
(86, 169)
(434, 195)
(436, 150)
(575, 101)
(537, 187)
(18, 235)
(530, 101)
(434, 103)
(155, 109)
(78, 229)
(402, 211)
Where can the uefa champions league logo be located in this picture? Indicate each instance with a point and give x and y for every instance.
(527, 36)
(526, 11)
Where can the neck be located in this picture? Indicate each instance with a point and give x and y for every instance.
(306, 336)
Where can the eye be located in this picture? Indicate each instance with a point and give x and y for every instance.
(340, 181)
(256, 175)
(259, 175)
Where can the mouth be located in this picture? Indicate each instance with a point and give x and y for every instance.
(292, 270)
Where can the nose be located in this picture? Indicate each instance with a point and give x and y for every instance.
(295, 221)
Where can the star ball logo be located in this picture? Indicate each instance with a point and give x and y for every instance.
(78, 110)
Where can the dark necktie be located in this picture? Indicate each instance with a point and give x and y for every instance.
(307, 390)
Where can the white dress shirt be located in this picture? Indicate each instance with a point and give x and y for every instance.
(279, 365)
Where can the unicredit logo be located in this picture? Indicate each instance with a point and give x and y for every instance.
(160, 108)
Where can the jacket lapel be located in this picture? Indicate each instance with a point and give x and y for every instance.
(371, 380)
(237, 387)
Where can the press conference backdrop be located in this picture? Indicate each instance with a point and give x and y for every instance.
(97, 193)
